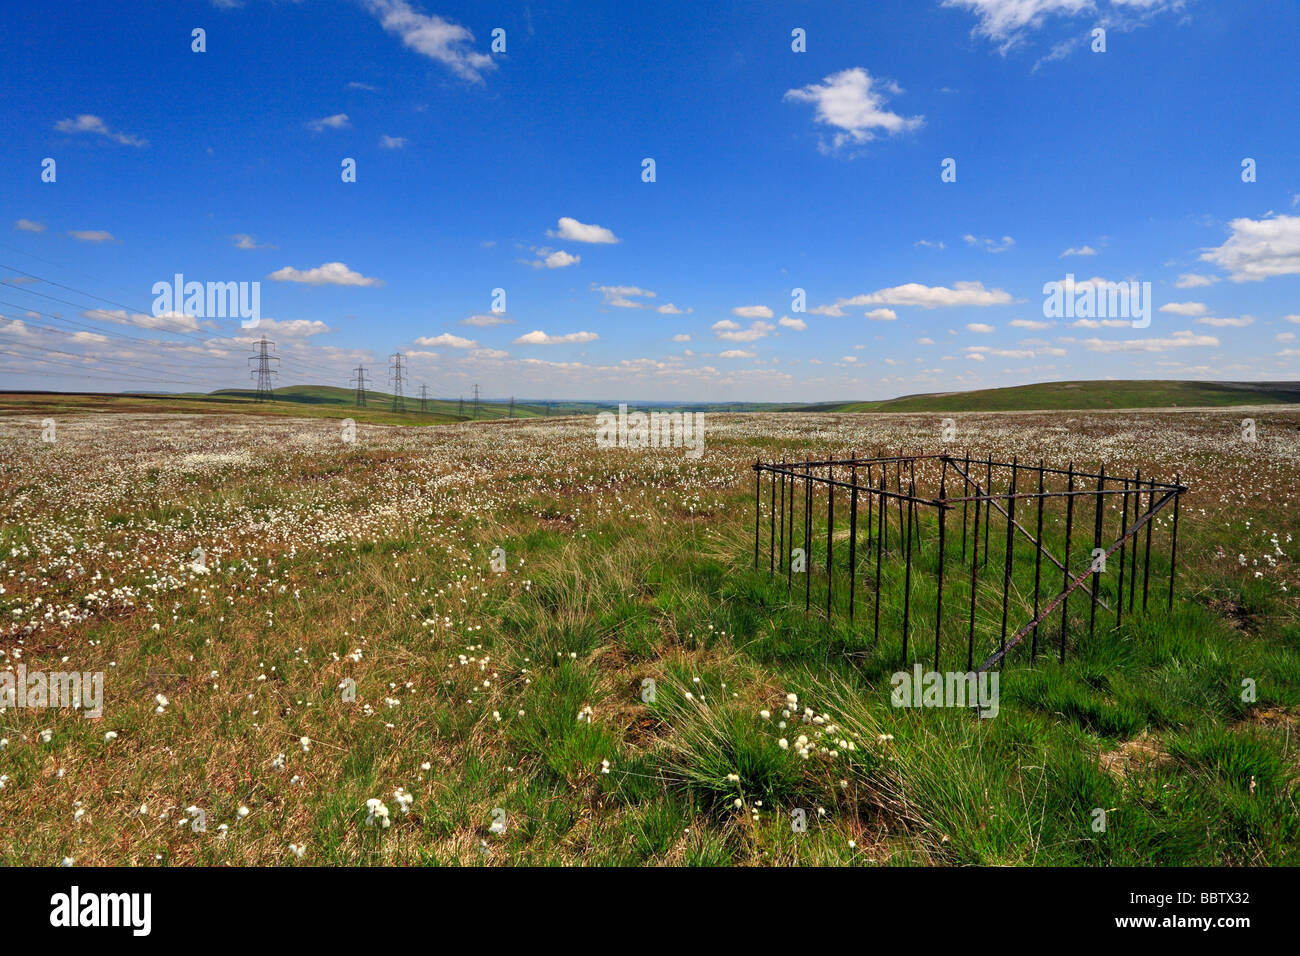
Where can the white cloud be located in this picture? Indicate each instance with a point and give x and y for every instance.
(391, 142)
(853, 102)
(245, 241)
(1029, 324)
(446, 340)
(92, 235)
(86, 123)
(337, 121)
(538, 337)
(1005, 20)
(624, 296)
(1080, 251)
(331, 273)
(1259, 248)
(485, 319)
(757, 330)
(881, 315)
(752, 311)
(576, 231)
(1291, 318)
(1183, 339)
(989, 245)
(930, 297)
(167, 322)
(668, 309)
(27, 225)
(1239, 322)
(434, 37)
(293, 328)
(979, 327)
(736, 354)
(559, 259)
(928, 244)
(1191, 280)
(797, 324)
(1101, 324)
(681, 337)
(1184, 308)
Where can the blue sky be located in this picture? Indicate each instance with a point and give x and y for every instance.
(774, 170)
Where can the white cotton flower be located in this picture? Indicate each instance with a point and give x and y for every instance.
(783, 744)
(242, 811)
(110, 735)
(46, 736)
(765, 714)
(305, 742)
(377, 814)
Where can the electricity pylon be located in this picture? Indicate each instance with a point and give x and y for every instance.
(424, 398)
(263, 371)
(360, 382)
(395, 376)
(475, 403)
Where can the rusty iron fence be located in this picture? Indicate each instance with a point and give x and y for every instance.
(898, 518)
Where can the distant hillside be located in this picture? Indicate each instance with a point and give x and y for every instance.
(1083, 396)
(324, 401)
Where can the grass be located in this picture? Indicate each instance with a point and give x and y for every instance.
(599, 702)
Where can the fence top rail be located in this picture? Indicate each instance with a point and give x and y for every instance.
(803, 470)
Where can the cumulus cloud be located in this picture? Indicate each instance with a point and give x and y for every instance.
(797, 324)
(881, 315)
(752, 311)
(669, 309)
(432, 36)
(1237, 322)
(1079, 251)
(1259, 249)
(167, 322)
(575, 231)
(27, 225)
(989, 245)
(391, 142)
(853, 103)
(757, 330)
(1184, 308)
(331, 273)
(337, 121)
(485, 319)
(1029, 324)
(1192, 280)
(538, 337)
(925, 297)
(86, 123)
(92, 235)
(446, 340)
(979, 327)
(736, 354)
(1179, 340)
(624, 296)
(244, 241)
(681, 337)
